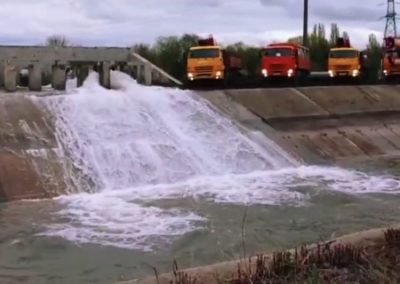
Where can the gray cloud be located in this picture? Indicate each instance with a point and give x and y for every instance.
(121, 22)
(350, 13)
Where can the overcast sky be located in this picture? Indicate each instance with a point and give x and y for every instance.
(124, 22)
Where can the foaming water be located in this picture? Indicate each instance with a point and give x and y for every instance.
(139, 144)
(138, 136)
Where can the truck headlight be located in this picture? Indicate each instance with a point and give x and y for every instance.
(190, 75)
(330, 72)
(355, 73)
(385, 72)
(218, 74)
(264, 72)
(290, 72)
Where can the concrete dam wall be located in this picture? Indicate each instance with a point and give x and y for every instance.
(29, 166)
(320, 124)
(315, 124)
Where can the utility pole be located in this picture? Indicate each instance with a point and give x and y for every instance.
(390, 27)
(305, 23)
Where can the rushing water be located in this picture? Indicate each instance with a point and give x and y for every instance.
(169, 177)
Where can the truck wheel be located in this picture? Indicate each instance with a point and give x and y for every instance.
(297, 79)
(188, 84)
(225, 81)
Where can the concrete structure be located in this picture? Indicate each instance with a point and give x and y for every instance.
(27, 148)
(317, 125)
(320, 124)
(42, 60)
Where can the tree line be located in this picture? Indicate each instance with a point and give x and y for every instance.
(167, 52)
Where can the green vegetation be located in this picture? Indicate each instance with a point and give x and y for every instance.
(56, 41)
(327, 263)
(167, 52)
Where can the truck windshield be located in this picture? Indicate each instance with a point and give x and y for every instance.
(343, 54)
(204, 53)
(393, 53)
(278, 51)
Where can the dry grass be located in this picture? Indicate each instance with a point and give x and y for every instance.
(326, 263)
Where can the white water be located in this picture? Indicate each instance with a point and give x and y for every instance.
(139, 144)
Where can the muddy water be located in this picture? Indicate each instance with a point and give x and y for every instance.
(26, 257)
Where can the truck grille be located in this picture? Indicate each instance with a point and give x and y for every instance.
(394, 69)
(277, 67)
(343, 67)
(203, 69)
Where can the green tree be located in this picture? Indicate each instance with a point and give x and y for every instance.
(168, 53)
(249, 54)
(56, 41)
(145, 51)
(318, 45)
(374, 51)
(335, 34)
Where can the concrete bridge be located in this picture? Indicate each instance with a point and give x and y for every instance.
(43, 61)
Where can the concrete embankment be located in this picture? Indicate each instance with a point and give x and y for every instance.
(316, 125)
(29, 166)
(224, 271)
(320, 124)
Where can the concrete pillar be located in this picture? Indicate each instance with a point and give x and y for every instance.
(10, 77)
(104, 74)
(147, 73)
(35, 77)
(58, 76)
(144, 74)
(135, 72)
(82, 72)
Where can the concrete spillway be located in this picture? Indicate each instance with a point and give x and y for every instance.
(29, 166)
(320, 124)
(315, 125)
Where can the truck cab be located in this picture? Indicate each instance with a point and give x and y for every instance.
(209, 63)
(205, 61)
(346, 61)
(284, 61)
(391, 59)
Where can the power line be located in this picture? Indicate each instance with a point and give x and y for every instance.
(391, 17)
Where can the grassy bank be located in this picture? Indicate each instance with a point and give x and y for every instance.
(365, 258)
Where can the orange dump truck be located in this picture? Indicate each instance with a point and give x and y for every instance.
(391, 59)
(210, 63)
(347, 63)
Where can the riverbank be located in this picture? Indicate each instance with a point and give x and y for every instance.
(369, 256)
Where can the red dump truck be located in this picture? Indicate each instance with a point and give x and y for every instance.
(207, 62)
(285, 62)
(391, 60)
